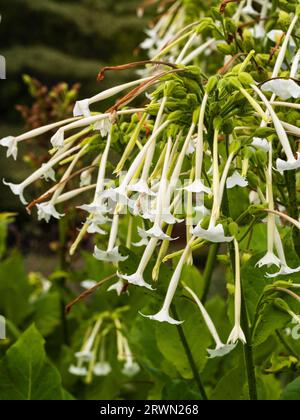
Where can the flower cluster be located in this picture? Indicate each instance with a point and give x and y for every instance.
(205, 127)
(92, 358)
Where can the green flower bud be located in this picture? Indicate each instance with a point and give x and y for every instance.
(233, 229)
(246, 78)
(211, 84)
(218, 123)
(226, 49)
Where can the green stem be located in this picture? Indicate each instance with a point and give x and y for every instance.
(190, 357)
(290, 177)
(209, 268)
(248, 348)
(14, 331)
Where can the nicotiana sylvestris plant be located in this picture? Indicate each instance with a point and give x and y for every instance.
(219, 109)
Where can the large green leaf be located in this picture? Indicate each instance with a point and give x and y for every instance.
(47, 313)
(14, 289)
(26, 373)
(230, 387)
(292, 391)
(197, 336)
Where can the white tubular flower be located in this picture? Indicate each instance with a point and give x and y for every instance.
(49, 175)
(18, 189)
(249, 10)
(104, 126)
(47, 210)
(88, 284)
(142, 242)
(236, 180)
(85, 178)
(288, 165)
(164, 314)
(284, 88)
(268, 260)
(130, 368)
(275, 35)
(78, 370)
(58, 139)
(12, 146)
(284, 268)
(117, 287)
(82, 108)
(197, 187)
(102, 369)
(237, 332)
(86, 354)
(260, 143)
(141, 187)
(258, 31)
(95, 223)
(112, 255)
(221, 349)
(291, 162)
(137, 279)
(215, 233)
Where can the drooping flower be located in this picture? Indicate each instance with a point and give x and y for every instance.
(237, 333)
(112, 255)
(47, 210)
(249, 9)
(102, 369)
(284, 88)
(214, 233)
(78, 370)
(268, 260)
(221, 349)
(118, 287)
(236, 180)
(260, 143)
(12, 146)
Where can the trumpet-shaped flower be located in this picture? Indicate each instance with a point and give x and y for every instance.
(260, 143)
(102, 369)
(130, 368)
(284, 271)
(142, 242)
(109, 256)
(49, 174)
(141, 187)
(198, 187)
(288, 165)
(268, 260)
(88, 284)
(236, 180)
(17, 189)
(284, 88)
(212, 234)
(82, 108)
(57, 140)
(163, 316)
(12, 146)
(136, 279)
(85, 178)
(236, 335)
(221, 350)
(78, 370)
(275, 35)
(47, 210)
(118, 287)
(104, 126)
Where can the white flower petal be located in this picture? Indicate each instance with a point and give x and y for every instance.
(260, 143)
(104, 126)
(275, 35)
(130, 368)
(142, 187)
(84, 355)
(288, 165)
(136, 279)
(82, 108)
(249, 10)
(102, 369)
(88, 284)
(268, 260)
(49, 174)
(46, 211)
(221, 351)
(157, 232)
(109, 256)
(118, 287)
(284, 271)
(17, 189)
(78, 371)
(198, 187)
(85, 178)
(12, 146)
(236, 335)
(284, 88)
(58, 139)
(236, 180)
(163, 316)
(213, 234)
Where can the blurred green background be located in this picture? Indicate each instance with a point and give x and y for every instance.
(57, 41)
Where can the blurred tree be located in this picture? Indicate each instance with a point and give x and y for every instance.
(64, 40)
